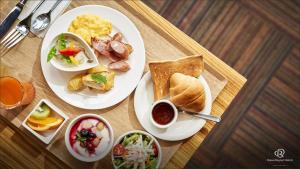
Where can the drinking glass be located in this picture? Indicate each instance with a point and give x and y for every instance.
(14, 93)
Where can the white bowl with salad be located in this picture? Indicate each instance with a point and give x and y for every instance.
(69, 52)
(136, 149)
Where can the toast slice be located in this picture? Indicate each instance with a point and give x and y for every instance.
(161, 71)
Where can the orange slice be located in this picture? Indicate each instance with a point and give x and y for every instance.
(43, 125)
(45, 121)
(56, 123)
(38, 127)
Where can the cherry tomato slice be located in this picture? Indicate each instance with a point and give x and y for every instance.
(69, 51)
(118, 150)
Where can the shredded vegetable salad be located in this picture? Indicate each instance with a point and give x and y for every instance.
(135, 151)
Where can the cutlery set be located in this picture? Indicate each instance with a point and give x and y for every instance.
(22, 29)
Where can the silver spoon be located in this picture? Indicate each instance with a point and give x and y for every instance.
(205, 116)
(199, 115)
(42, 21)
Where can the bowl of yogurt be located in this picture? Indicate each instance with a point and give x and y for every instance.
(89, 137)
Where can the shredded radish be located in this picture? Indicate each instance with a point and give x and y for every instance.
(137, 153)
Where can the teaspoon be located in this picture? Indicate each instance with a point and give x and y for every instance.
(42, 21)
(205, 116)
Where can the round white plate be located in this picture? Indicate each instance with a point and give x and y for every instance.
(185, 126)
(124, 82)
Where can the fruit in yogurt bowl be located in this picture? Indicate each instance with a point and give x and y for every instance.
(89, 137)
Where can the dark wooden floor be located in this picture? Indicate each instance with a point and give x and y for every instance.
(260, 39)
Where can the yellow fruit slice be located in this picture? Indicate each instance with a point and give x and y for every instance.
(73, 60)
(45, 124)
(45, 121)
(38, 127)
(55, 124)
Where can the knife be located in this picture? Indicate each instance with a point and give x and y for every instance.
(11, 17)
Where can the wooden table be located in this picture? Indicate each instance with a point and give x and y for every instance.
(173, 44)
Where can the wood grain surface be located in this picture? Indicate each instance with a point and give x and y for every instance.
(259, 39)
(153, 28)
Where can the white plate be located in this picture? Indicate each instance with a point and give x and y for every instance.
(124, 82)
(185, 126)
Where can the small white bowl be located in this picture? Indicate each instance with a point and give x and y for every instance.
(171, 122)
(78, 156)
(88, 51)
(144, 133)
(47, 136)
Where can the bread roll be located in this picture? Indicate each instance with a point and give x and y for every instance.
(161, 71)
(187, 93)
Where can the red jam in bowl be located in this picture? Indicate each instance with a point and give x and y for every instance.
(89, 137)
(163, 113)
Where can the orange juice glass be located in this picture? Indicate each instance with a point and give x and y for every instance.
(14, 93)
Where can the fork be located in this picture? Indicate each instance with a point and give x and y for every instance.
(18, 33)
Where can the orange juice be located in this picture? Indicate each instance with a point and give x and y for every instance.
(14, 93)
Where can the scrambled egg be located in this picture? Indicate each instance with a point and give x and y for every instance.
(89, 25)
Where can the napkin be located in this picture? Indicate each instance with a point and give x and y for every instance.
(45, 7)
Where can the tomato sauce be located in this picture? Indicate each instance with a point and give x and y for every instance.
(163, 113)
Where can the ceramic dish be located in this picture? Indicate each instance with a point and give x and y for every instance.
(170, 116)
(47, 135)
(124, 83)
(136, 149)
(74, 68)
(185, 126)
(89, 137)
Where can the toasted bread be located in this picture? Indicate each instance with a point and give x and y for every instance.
(161, 71)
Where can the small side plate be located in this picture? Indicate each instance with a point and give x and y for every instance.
(47, 136)
(185, 126)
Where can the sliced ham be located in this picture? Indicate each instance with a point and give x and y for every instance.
(102, 49)
(100, 46)
(117, 37)
(119, 66)
(119, 49)
(110, 56)
(106, 39)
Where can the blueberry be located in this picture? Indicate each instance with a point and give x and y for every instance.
(84, 133)
(92, 135)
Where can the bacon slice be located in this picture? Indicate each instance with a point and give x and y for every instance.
(119, 49)
(102, 49)
(119, 66)
(118, 37)
(110, 56)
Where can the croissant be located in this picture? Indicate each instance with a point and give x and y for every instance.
(187, 93)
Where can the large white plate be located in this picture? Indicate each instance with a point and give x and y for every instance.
(185, 126)
(124, 82)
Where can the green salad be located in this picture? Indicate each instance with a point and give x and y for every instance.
(136, 151)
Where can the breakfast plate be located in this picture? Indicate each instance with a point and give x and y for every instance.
(185, 126)
(124, 83)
